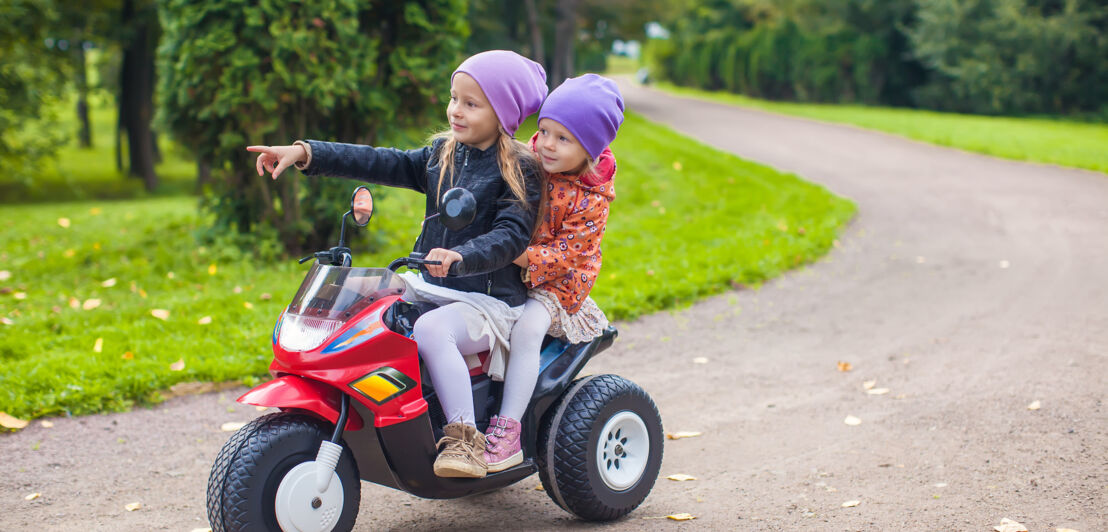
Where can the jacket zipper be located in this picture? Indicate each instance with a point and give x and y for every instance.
(488, 284)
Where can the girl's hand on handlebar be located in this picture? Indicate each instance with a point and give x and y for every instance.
(447, 257)
(276, 158)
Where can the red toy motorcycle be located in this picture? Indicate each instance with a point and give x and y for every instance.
(356, 405)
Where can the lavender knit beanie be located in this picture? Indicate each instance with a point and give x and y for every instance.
(514, 85)
(590, 107)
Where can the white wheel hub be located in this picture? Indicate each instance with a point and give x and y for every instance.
(299, 505)
(623, 450)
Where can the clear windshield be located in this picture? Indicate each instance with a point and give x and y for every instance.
(339, 293)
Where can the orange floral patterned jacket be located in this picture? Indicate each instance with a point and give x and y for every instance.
(564, 254)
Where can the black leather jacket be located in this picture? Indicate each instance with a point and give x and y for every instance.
(500, 231)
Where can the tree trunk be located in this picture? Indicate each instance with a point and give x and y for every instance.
(565, 35)
(84, 131)
(136, 95)
(537, 51)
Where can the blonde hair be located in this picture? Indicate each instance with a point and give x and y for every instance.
(510, 154)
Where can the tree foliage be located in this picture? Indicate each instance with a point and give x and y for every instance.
(234, 73)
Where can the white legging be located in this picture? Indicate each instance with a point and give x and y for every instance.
(523, 363)
(443, 340)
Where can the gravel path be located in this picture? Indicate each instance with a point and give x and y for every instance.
(967, 286)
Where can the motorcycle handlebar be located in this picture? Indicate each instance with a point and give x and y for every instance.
(416, 261)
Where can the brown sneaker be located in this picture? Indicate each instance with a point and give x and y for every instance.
(461, 452)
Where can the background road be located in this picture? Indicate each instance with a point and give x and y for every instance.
(968, 286)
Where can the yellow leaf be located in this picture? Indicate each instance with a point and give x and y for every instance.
(160, 313)
(677, 165)
(46, 424)
(232, 426)
(169, 275)
(1008, 525)
(5, 275)
(64, 222)
(98, 346)
(142, 293)
(540, 488)
(90, 304)
(96, 246)
(681, 477)
(127, 356)
(1064, 530)
(10, 422)
(20, 295)
(878, 391)
(133, 506)
(32, 496)
(201, 530)
(248, 304)
(845, 366)
(204, 321)
(852, 421)
(679, 435)
(212, 269)
(261, 408)
(237, 290)
(178, 365)
(7, 321)
(69, 253)
(700, 360)
(851, 504)
(1035, 405)
(74, 303)
(95, 211)
(108, 283)
(869, 384)
(681, 517)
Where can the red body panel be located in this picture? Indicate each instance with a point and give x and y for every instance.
(291, 391)
(340, 368)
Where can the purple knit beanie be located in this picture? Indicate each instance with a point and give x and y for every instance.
(590, 107)
(514, 85)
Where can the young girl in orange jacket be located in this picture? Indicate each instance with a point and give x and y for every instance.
(576, 123)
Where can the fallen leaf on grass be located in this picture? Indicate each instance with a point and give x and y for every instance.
(98, 346)
(265, 296)
(868, 385)
(681, 517)
(204, 321)
(20, 295)
(32, 496)
(90, 304)
(1008, 525)
(877, 391)
(851, 504)
(677, 165)
(127, 356)
(700, 360)
(10, 422)
(108, 283)
(95, 211)
(7, 321)
(178, 365)
(248, 304)
(5, 275)
(679, 435)
(681, 477)
(232, 426)
(212, 269)
(64, 222)
(1035, 405)
(133, 506)
(169, 275)
(845, 366)
(69, 253)
(160, 313)
(852, 421)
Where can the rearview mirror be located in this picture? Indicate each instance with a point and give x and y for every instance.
(361, 203)
(457, 208)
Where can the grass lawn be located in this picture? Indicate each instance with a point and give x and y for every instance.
(1040, 140)
(81, 299)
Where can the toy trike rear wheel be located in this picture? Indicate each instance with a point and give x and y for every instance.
(600, 448)
(264, 479)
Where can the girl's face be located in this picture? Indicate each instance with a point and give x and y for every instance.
(471, 116)
(559, 151)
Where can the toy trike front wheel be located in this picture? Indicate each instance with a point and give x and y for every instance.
(600, 448)
(265, 479)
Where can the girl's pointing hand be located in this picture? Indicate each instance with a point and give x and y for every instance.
(276, 158)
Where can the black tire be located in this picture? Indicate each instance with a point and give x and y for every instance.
(249, 469)
(570, 434)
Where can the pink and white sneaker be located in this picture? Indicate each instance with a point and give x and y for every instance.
(503, 449)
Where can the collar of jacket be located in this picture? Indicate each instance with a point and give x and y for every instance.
(461, 150)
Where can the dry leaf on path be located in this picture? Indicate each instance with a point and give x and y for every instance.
(32, 496)
(868, 385)
(851, 504)
(845, 366)
(64, 222)
(232, 426)
(1008, 525)
(679, 435)
(681, 517)
(90, 304)
(681, 477)
(852, 421)
(160, 313)
(700, 360)
(1064, 530)
(540, 488)
(204, 321)
(877, 391)
(1035, 405)
(201, 530)
(108, 283)
(98, 346)
(178, 365)
(10, 422)
(133, 506)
